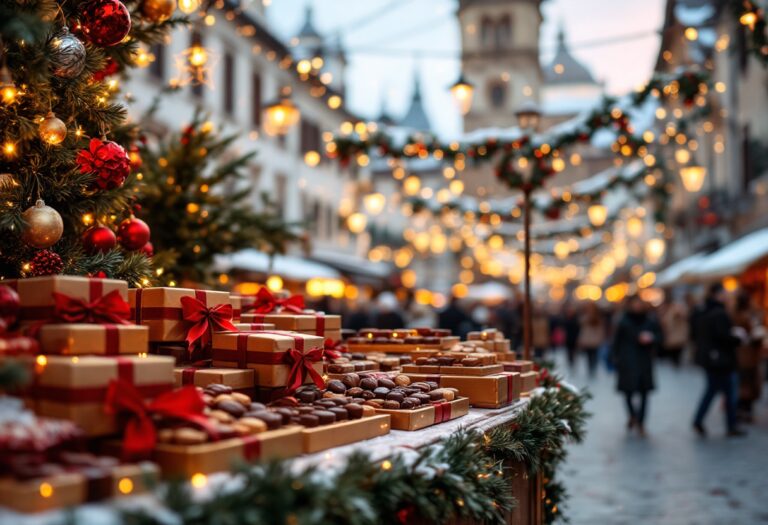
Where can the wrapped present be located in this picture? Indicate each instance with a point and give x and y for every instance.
(232, 377)
(492, 391)
(181, 314)
(36, 294)
(197, 357)
(237, 307)
(520, 366)
(254, 327)
(325, 326)
(279, 359)
(267, 302)
(93, 339)
(528, 382)
(428, 415)
(74, 388)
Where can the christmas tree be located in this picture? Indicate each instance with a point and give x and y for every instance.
(200, 183)
(67, 181)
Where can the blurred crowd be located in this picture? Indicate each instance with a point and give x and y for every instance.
(723, 333)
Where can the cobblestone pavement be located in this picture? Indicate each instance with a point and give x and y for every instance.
(672, 477)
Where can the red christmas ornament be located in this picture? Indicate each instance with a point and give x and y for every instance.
(9, 305)
(99, 239)
(147, 249)
(45, 262)
(105, 22)
(109, 69)
(107, 160)
(133, 234)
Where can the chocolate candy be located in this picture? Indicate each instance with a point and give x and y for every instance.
(413, 400)
(337, 368)
(432, 361)
(436, 395)
(215, 389)
(391, 404)
(402, 380)
(221, 416)
(351, 380)
(396, 396)
(189, 436)
(309, 420)
(285, 413)
(354, 391)
(354, 410)
(305, 409)
(409, 403)
(386, 383)
(242, 398)
(376, 403)
(424, 398)
(368, 411)
(422, 386)
(381, 391)
(336, 386)
(405, 360)
(256, 425)
(413, 340)
(306, 396)
(231, 407)
(340, 413)
(445, 361)
(470, 361)
(325, 403)
(256, 407)
(368, 383)
(432, 385)
(357, 356)
(324, 417)
(431, 341)
(272, 420)
(340, 401)
(358, 400)
(367, 394)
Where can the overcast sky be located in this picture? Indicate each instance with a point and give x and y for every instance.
(381, 48)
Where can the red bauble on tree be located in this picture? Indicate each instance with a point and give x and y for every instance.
(99, 239)
(110, 68)
(45, 262)
(9, 305)
(107, 160)
(133, 233)
(148, 249)
(105, 22)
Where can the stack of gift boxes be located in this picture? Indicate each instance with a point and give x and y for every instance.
(492, 340)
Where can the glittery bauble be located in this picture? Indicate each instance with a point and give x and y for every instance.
(105, 22)
(43, 225)
(66, 54)
(9, 305)
(148, 249)
(52, 129)
(133, 233)
(158, 10)
(99, 239)
(45, 262)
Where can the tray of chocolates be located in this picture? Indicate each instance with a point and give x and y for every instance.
(401, 341)
(331, 420)
(346, 363)
(456, 363)
(410, 405)
(393, 362)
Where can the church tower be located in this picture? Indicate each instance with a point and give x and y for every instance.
(500, 56)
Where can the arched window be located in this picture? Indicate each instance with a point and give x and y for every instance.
(504, 33)
(486, 32)
(497, 94)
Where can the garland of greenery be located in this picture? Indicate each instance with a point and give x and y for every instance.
(461, 477)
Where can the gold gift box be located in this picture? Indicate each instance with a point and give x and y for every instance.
(494, 391)
(202, 377)
(426, 416)
(93, 339)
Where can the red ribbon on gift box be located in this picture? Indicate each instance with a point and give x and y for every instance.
(442, 411)
(203, 319)
(251, 447)
(266, 303)
(27, 313)
(510, 385)
(140, 436)
(107, 309)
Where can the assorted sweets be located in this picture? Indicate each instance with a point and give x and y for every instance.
(404, 336)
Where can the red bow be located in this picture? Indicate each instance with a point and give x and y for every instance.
(203, 319)
(110, 308)
(267, 303)
(140, 435)
(301, 365)
(334, 349)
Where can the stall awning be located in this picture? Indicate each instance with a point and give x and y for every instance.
(733, 258)
(286, 266)
(672, 274)
(490, 291)
(351, 264)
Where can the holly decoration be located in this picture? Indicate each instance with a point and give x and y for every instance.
(105, 22)
(98, 239)
(107, 160)
(133, 234)
(9, 305)
(45, 262)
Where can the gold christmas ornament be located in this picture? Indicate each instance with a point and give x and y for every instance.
(158, 10)
(43, 225)
(52, 129)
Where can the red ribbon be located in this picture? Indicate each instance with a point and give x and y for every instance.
(266, 303)
(442, 411)
(140, 435)
(251, 447)
(204, 319)
(108, 309)
(302, 365)
(510, 385)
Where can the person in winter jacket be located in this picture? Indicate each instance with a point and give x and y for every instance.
(716, 342)
(636, 340)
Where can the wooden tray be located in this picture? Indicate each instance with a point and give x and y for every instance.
(329, 436)
(486, 370)
(421, 350)
(426, 416)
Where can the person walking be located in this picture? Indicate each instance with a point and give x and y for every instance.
(570, 325)
(674, 327)
(591, 335)
(716, 342)
(637, 338)
(748, 357)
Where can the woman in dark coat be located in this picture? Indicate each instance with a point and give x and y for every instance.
(636, 339)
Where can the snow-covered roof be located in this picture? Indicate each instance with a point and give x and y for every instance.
(490, 291)
(564, 68)
(732, 259)
(673, 273)
(287, 266)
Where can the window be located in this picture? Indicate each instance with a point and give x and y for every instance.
(310, 136)
(497, 93)
(229, 84)
(157, 67)
(504, 33)
(256, 99)
(196, 39)
(486, 32)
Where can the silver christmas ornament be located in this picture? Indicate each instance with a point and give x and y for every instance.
(66, 54)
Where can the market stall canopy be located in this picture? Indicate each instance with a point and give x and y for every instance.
(672, 274)
(353, 265)
(490, 291)
(733, 258)
(286, 266)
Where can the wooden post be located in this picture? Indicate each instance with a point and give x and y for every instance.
(527, 314)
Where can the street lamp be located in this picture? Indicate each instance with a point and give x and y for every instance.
(693, 175)
(280, 116)
(462, 91)
(528, 115)
(598, 214)
(654, 250)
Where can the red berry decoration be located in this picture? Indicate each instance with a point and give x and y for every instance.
(107, 160)
(45, 262)
(148, 249)
(99, 239)
(133, 233)
(105, 22)
(9, 305)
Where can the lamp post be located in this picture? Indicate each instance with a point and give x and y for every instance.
(462, 91)
(280, 116)
(528, 118)
(693, 175)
